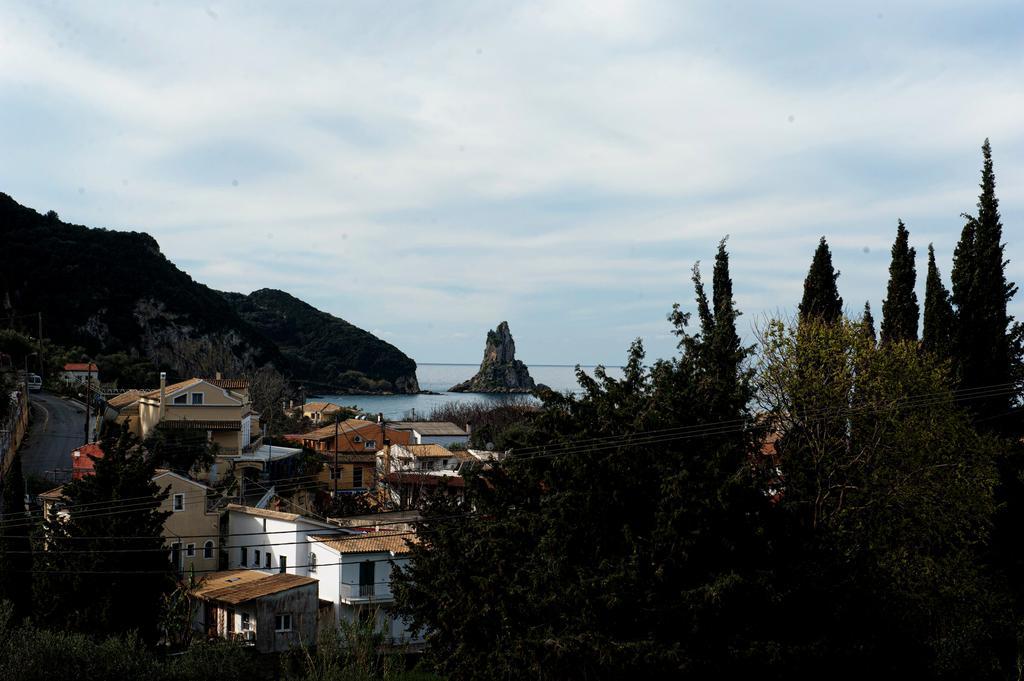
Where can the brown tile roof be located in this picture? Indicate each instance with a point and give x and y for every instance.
(429, 451)
(346, 426)
(263, 512)
(429, 427)
(200, 425)
(393, 541)
(316, 406)
(128, 397)
(153, 394)
(55, 493)
(238, 586)
(229, 383)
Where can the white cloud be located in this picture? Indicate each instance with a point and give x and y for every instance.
(441, 166)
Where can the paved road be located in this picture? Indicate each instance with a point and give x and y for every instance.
(58, 426)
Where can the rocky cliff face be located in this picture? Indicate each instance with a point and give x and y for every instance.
(500, 371)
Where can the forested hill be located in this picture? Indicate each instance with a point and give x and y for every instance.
(323, 348)
(111, 292)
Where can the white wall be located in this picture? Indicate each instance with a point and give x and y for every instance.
(280, 537)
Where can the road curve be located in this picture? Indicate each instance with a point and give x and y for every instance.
(58, 426)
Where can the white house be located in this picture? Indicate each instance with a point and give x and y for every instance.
(353, 567)
(80, 372)
(433, 433)
(355, 574)
(270, 540)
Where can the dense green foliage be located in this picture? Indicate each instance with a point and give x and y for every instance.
(899, 309)
(322, 349)
(105, 571)
(821, 296)
(28, 653)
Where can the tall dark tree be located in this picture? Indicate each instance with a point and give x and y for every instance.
(821, 296)
(867, 322)
(899, 309)
(590, 563)
(106, 567)
(15, 546)
(986, 347)
(936, 337)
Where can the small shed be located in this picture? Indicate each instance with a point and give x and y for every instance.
(275, 612)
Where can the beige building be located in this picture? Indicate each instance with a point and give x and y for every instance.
(199, 404)
(321, 412)
(192, 530)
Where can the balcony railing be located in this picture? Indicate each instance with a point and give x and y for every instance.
(366, 592)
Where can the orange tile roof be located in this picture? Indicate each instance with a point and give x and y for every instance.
(239, 586)
(392, 541)
(81, 366)
(128, 397)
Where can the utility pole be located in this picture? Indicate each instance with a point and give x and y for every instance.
(88, 397)
(42, 377)
(337, 473)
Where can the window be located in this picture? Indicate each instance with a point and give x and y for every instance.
(335, 473)
(283, 622)
(190, 550)
(246, 621)
(178, 502)
(371, 444)
(366, 577)
(268, 559)
(208, 549)
(197, 398)
(181, 399)
(231, 621)
(176, 555)
(312, 562)
(357, 476)
(284, 563)
(255, 558)
(245, 556)
(444, 463)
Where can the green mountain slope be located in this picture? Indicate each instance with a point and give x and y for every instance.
(323, 348)
(115, 292)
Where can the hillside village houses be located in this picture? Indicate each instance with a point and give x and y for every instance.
(269, 576)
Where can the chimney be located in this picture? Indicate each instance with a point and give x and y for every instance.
(163, 392)
(469, 429)
(218, 376)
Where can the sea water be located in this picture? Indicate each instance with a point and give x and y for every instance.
(437, 378)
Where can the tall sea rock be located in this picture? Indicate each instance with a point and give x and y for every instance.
(500, 371)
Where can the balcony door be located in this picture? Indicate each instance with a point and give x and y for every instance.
(366, 578)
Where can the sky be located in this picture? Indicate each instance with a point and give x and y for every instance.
(426, 170)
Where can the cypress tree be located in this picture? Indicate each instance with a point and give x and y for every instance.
(938, 312)
(821, 296)
(867, 322)
(985, 347)
(725, 351)
(899, 309)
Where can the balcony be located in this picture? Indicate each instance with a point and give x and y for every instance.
(366, 593)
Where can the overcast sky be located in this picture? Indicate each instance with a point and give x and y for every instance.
(429, 169)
